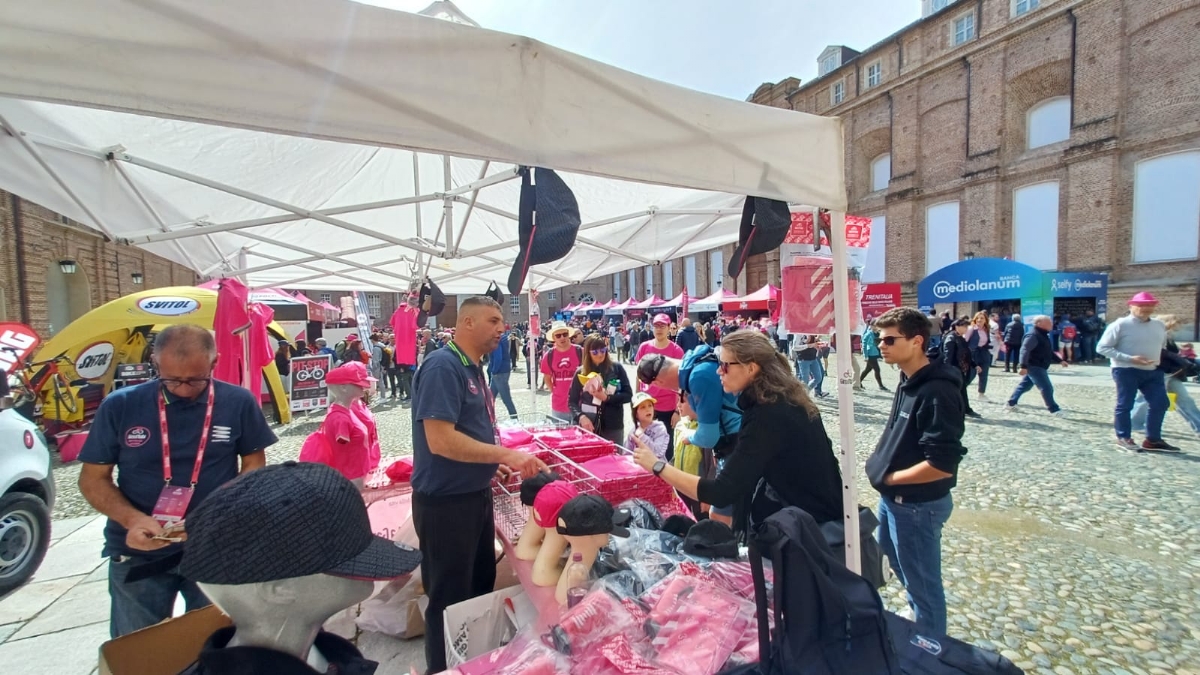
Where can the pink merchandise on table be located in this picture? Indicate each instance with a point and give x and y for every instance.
(348, 439)
(511, 437)
(575, 443)
(621, 479)
(697, 626)
(614, 466)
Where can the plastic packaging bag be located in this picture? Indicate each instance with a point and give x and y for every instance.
(388, 610)
(696, 626)
(598, 616)
(525, 655)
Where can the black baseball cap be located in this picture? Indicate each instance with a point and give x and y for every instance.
(288, 520)
(530, 487)
(710, 539)
(649, 368)
(590, 514)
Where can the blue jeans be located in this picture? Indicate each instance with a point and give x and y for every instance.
(1151, 384)
(499, 386)
(910, 535)
(1185, 405)
(811, 374)
(147, 601)
(1035, 377)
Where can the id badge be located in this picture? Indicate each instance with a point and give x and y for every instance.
(172, 505)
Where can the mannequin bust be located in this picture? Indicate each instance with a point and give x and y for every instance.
(547, 565)
(287, 614)
(532, 535)
(354, 449)
(589, 546)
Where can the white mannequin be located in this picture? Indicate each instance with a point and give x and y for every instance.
(287, 614)
(532, 536)
(589, 546)
(345, 395)
(547, 566)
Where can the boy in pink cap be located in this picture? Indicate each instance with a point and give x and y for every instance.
(666, 400)
(1134, 345)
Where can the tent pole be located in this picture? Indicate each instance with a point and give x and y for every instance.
(615, 251)
(162, 224)
(535, 320)
(315, 258)
(470, 208)
(845, 380)
(448, 206)
(332, 258)
(62, 184)
(582, 228)
(328, 273)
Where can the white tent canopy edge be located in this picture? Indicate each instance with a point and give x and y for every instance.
(352, 74)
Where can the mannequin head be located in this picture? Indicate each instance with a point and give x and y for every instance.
(345, 394)
(286, 614)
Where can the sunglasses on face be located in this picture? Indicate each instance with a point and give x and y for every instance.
(600, 352)
(891, 340)
(649, 369)
(724, 366)
(560, 336)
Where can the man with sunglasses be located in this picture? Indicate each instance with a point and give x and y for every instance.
(558, 368)
(915, 464)
(175, 440)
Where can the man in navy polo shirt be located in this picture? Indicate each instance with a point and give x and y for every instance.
(191, 412)
(455, 457)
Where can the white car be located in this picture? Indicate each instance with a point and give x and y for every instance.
(27, 490)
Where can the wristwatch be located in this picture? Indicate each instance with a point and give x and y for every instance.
(658, 467)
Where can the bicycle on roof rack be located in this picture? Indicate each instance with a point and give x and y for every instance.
(28, 388)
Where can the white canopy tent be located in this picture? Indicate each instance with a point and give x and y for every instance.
(323, 143)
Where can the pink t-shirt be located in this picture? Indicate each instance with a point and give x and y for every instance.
(667, 400)
(404, 327)
(364, 415)
(561, 367)
(349, 441)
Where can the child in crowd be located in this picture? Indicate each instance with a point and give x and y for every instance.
(690, 458)
(647, 431)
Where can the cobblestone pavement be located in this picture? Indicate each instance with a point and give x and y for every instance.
(1063, 553)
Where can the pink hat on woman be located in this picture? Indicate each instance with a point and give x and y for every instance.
(354, 373)
(1143, 298)
(661, 319)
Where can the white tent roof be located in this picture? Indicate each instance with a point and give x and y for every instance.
(384, 122)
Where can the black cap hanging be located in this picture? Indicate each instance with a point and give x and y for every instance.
(551, 234)
(765, 224)
(493, 291)
(431, 301)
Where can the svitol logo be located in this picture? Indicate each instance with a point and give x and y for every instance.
(168, 305)
(944, 289)
(94, 362)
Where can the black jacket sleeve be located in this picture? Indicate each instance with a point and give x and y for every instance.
(757, 445)
(573, 398)
(625, 394)
(1028, 346)
(940, 418)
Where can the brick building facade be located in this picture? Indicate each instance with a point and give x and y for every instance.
(33, 287)
(1061, 133)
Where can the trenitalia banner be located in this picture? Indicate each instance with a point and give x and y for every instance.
(879, 298)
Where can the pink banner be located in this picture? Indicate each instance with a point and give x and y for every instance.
(879, 298)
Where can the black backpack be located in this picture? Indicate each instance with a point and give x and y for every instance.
(920, 654)
(828, 620)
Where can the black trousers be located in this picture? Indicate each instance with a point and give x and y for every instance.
(1012, 357)
(665, 416)
(458, 558)
(872, 365)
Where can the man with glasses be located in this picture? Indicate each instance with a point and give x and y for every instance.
(915, 464)
(558, 368)
(175, 440)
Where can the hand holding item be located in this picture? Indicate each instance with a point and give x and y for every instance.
(144, 535)
(526, 464)
(643, 455)
(586, 423)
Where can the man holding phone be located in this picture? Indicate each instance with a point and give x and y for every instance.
(175, 439)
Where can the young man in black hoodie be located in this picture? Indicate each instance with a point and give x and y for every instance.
(915, 464)
(956, 353)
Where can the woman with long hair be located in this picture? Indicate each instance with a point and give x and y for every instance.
(979, 341)
(782, 457)
(870, 350)
(599, 392)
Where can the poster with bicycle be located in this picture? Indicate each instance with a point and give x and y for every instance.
(309, 391)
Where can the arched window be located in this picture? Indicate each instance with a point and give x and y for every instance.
(1166, 208)
(881, 172)
(1049, 122)
(1035, 225)
(941, 236)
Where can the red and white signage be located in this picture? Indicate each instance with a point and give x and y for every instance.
(808, 298)
(858, 230)
(879, 298)
(17, 342)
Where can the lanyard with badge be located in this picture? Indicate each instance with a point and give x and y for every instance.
(488, 402)
(172, 504)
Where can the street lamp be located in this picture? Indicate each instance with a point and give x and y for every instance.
(138, 279)
(67, 266)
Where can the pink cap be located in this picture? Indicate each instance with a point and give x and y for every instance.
(550, 500)
(354, 372)
(661, 318)
(1143, 298)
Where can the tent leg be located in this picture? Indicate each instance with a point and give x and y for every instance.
(535, 320)
(845, 380)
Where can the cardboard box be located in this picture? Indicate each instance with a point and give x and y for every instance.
(162, 649)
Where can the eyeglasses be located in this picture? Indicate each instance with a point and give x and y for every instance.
(600, 352)
(189, 382)
(723, 367)
(890, 340)
(560, 336)
(649, 368)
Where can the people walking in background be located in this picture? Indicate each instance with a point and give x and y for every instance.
(808, 365)
(323, 347)
(1090, 328)
(1134, 344)
(956, 352)
(1068, 332)
(915, 464)
(599, 406)
(981, 342)
(870, 349)
(283, 363)
(499, 369)
(687, 339)
(391, 373)
(1014, 335)
(558, 368)
(1036, 356)
(1176, 368)
(666, 400)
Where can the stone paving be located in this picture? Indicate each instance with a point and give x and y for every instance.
(1063, 553)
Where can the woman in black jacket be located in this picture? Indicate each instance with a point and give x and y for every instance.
(783, 456)
(957, 353)
(604, 411)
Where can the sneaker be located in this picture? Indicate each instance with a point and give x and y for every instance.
(1010, 408)
(1127, 445)
(974, 415)
(1059, 413)
(1159, 446)
(982, 396)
